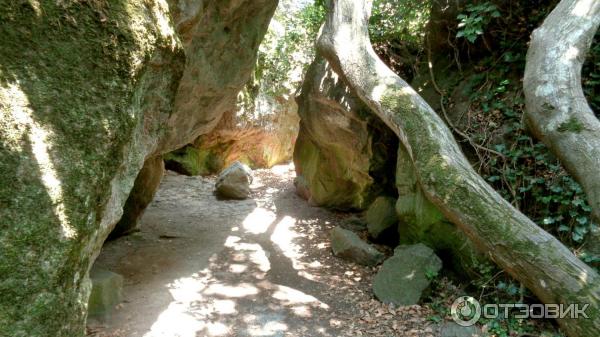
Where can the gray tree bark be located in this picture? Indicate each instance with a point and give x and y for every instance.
(557, 111)
(508, 237)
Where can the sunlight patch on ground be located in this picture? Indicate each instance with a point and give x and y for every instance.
(241, 290)
(187, 289)
(290, 296)
(268, 329)
(252, 252)
(217, 329)
(175, 321)
(284, 170)
(284, 236)
(258, 221)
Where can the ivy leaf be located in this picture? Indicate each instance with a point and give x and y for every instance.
(582, 220)
(548, 221)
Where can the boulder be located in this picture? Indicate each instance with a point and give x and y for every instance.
(451, 329)
(354, 224)
(107, 289)
(420, 221)
(234, 182)
(404, 276)
(381, 217)
(88, 92)
(349, 246)
(343, 152)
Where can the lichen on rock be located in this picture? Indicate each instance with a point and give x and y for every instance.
(88, 91)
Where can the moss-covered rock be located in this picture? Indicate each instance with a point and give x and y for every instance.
(87, 90)
(421, 222)
(381, 217)
(347, 245)
(404, 276)
(342, 150)
(107, 292)
(79, 84)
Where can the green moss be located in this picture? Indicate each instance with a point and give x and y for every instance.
(191, 161)
(332, 176)
(571, 125)
(422, 221)
(73, 69)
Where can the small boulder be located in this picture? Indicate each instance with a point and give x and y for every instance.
(403, 277)
(347, 245)
(234, 182)
(354, 224)
(451, 329)
(106, 292)
(381, 217)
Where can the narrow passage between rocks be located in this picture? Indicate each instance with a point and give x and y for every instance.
(259, 267)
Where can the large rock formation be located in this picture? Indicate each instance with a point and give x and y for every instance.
(88, 91)
(260, 141)
(262, 130)
(341, 150)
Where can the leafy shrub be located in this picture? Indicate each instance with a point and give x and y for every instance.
(474, 22)
(399, 20)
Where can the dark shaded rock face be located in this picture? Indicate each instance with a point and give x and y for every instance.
(145, 186)
(88, 91)
(381, 217)
(341, 147)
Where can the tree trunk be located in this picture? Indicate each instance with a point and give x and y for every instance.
(512, 240)
(557, 111)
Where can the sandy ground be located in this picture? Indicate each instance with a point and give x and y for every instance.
(259, 267)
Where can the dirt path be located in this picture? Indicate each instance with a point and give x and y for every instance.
(260, 267)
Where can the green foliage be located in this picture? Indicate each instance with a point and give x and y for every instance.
(288, 47)
(397, 29)
(527, 175)
(399, 20)
(519, 167)
(475, 20)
